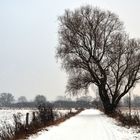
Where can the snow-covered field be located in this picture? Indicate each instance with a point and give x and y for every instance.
(90, 124)
(6, 115)
(133, 110)
(61, 112)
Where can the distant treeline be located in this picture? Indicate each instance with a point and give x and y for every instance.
(134, 101)
(7, 100)
(56, 104)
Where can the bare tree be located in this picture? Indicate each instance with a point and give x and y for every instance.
(126, 101)
(136, 101)
(22, 99)
(40, 99)
(95, 49)
(6, 99)
(85, 98)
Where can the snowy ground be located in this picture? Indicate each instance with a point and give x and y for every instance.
(61, 112)
(88, 125)
(6, 115)
(134, 111)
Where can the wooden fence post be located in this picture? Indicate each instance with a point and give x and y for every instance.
(34, 117)
(27, 119)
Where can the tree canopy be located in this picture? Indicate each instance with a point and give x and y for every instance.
(6, 99)
(95, 49)
(40, 99)
(22, 99)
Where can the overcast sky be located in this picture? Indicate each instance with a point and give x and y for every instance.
(28, 38)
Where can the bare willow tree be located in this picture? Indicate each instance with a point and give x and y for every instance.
(95, 49)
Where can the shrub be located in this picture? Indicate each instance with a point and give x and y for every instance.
(127, 119)
(45, 113)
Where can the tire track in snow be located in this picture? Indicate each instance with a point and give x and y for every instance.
(109, 132)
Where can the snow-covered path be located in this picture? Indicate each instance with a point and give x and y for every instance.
(88, 125)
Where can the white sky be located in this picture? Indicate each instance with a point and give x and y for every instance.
(28, 38)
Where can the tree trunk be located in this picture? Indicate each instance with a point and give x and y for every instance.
(109, 108)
